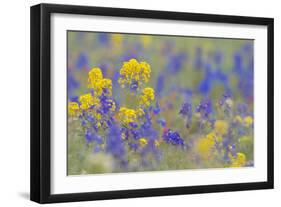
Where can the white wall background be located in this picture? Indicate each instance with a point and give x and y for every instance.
(14, 101)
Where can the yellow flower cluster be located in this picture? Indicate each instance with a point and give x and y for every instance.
(221, 127)
(239, 160)
(87, 100)
(134, 71)
(98, 83)
(205, 145)
(146, 97)
(127, 115)
(73, 108)
(247, 121)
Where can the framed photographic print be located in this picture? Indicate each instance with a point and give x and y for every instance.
(132, 103)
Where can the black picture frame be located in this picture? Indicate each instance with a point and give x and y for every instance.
(41, 99)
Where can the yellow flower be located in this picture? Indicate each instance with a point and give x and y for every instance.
(239, 160)
(147, 96)
(157, 143)
(86, 101)
(146, 40)
(248, 121)
(221, 127)
(116, 39)
(97, 116)
(127, 115)
(134, 72)
(73, 108)
(142, 142)
(238, 119)
(205, 145)
(229, 102)
(213, 136)
(140, 112)
(94, 76)
(98, 83)
(145, 71)
(103, 85)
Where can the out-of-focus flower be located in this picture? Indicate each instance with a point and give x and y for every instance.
(92, 137)
(114, 144)
(72, 84)
(186, 112)
(198, 60)
(218, 57)
(225, 104)
(205, 86)
(221, 127)
(157, 109)
(157, 143)
(239, 160)
(205, 145)
(143, 142)
(226, 100)
(214, 136)
(173, 137)
(146, 40)
(134, 72)
(186, 109)
(82, 61)
(116, 39)
(160, 84)
(176, 63)
(103, 38)
(73, 108)
(248, 121)
(238, 119)
(162, 122)
(204, 108)
(140, 112)
(146, 97)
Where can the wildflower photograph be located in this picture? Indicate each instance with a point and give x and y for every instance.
(142, 102)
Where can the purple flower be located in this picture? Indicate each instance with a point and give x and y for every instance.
(82, 61)
(114, 144)
(176, 62)
(205, 108)
(103, 38)
(160, 84)
(173, 137)
(133, 124)
(156, 109)
(161, 122)
(91, 137)
(186, 110)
